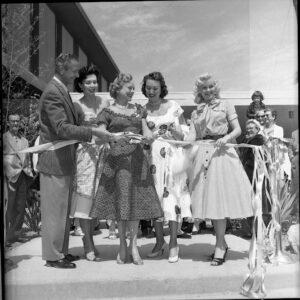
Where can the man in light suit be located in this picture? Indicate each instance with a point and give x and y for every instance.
(18, 173)
(59, 121)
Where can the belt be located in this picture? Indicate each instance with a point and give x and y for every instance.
(213, 137)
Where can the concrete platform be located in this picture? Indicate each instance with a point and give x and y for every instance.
(190, 278)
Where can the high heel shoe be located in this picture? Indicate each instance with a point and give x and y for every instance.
(219, 261)
(136, 260)
(92, 256)
(213, 254)
(174, 258)
(120, 261)
(157, 253)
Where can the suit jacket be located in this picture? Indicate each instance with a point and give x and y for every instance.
(247, 156)
(59, 121)
(14, 164)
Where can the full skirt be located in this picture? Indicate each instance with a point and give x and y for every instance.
(170, 178)
(218, 184)
(89, 165)
(126, 190)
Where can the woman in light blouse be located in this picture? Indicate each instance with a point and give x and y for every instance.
(218, 184)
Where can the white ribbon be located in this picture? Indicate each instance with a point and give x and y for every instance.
(253, 285)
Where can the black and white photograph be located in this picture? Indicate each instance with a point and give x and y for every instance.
(150, 150)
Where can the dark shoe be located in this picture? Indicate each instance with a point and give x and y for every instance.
(70, 257)
(97, 227)
(158, 252)
(219, 261)
(213, 254)
(60, 264)
(184, 236)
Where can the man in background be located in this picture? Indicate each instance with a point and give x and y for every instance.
(271, 129)
(18, 175)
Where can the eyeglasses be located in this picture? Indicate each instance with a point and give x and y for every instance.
(260, 117)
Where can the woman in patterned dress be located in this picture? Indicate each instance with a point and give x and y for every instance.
(89, 158)
(167, 122)
(126, 191)
(218, 184)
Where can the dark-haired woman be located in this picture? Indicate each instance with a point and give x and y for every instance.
(89, 157)
(166, 121)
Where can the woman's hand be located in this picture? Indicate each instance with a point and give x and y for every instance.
(222, 141)
(176, 131)
(148, 137)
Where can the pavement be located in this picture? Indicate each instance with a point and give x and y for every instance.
(191, 277)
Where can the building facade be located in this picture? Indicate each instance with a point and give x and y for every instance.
(56, 28)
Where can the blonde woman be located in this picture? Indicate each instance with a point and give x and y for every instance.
(218, 184)
(126, 191)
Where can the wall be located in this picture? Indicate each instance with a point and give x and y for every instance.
(47, 43)
(82, 57)
(104, 85)
(67, 41)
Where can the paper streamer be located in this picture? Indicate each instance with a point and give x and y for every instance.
(272, 154)
(134, 138)
(253, 286)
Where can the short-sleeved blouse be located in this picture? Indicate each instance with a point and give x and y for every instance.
(117, 122)
(172, 115)
(213, 118)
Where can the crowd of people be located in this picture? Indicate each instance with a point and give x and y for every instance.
(129, 167)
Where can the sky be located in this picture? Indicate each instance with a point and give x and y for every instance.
(245, 44)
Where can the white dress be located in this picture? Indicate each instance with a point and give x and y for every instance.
(165, 160)
(219, 185)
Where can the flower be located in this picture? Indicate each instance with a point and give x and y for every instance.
(151, 125)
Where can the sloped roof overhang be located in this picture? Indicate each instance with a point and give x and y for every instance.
(75, 20)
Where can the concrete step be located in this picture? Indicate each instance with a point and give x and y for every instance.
(190, 278)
